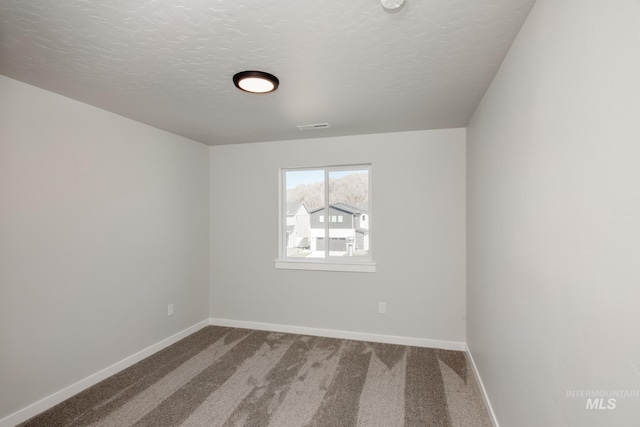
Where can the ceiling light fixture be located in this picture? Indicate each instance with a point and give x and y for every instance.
(256, 81)
(391, 4)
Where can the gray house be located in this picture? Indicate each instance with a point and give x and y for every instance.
(348, 228)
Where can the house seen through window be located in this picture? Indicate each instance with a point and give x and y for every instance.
(326, 213)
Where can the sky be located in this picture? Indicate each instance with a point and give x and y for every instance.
(295, 178)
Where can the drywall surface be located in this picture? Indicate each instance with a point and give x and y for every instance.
(554, 220)
(103, 223)
(418, 237)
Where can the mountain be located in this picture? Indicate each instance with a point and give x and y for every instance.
(352, 189)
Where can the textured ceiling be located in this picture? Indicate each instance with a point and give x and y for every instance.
(169, 63)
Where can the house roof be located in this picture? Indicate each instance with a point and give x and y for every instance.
(294, 207)
(344, 207)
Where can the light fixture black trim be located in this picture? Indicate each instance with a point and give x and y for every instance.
(257, 75)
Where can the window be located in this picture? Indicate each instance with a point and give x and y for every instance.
(329, 231)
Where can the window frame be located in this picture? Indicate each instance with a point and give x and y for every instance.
(362, 263)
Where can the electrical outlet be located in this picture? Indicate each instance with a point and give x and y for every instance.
(170, 310)
(382, 307)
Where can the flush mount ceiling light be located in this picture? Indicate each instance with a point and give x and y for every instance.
(256, 81)
(392, 4)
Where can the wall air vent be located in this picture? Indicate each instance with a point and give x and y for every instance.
(314, 127)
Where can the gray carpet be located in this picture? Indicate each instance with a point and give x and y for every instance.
(239, 377)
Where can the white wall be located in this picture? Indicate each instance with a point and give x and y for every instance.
(554, 218)
(103, 222)
(418, 180)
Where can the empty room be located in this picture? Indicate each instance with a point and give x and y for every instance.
(320, 213)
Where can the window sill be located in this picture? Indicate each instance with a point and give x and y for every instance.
(360, 267)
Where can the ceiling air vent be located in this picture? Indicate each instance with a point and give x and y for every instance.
(313, 127)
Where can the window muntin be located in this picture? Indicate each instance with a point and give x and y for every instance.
(330, 204)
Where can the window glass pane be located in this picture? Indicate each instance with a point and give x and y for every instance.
(304, 209)
(349, 200)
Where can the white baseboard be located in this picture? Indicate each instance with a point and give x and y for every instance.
(52, 400)
(331, 333)
(483, 391)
